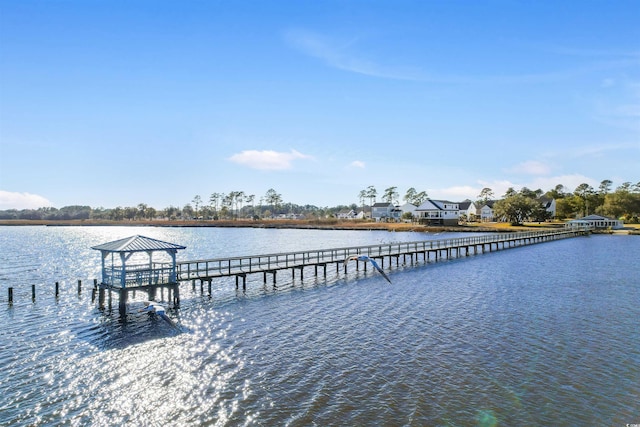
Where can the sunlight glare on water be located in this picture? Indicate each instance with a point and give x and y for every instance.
(538, 335)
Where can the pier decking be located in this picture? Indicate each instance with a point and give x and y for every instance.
(239, 267)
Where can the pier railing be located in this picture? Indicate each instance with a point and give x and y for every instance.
(140, 275)
(230, 266)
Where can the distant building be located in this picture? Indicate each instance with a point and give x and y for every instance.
(596, 221)
(346, 214)
(364, 212)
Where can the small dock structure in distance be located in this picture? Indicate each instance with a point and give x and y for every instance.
(128, 265)
(239, 267)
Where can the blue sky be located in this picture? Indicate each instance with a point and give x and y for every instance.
(116, 103)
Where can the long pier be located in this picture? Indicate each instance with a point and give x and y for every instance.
(425, 250)
(149, 277)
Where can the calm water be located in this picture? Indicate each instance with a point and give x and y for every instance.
(540, 335)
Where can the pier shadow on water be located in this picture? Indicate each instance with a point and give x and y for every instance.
(109, 330)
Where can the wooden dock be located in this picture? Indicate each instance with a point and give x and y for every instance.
(413, 252)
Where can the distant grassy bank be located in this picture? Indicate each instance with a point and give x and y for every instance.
(332, 224)
(328, 224)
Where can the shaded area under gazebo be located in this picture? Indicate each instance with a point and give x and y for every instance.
(128, 265)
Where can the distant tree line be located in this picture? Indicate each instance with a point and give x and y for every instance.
(514, 206)
(622, 203)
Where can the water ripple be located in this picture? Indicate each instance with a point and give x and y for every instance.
(543, 335)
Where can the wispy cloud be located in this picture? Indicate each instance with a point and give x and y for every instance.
(530, 167)
(267, 159)
(15, 200)
(357, 164)
(347, 54)
(342, 54)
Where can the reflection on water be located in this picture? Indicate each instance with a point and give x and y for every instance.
(539, 335)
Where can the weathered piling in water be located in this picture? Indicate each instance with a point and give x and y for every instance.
(10, 295)
(33, 292)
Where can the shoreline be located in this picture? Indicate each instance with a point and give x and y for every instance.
(493, 227)
(301, 224)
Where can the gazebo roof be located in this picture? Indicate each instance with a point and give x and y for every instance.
(137, 244)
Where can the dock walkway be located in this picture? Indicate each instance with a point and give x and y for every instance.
(239, 267)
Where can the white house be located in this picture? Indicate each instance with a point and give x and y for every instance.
(438, 212)
(346, 214)
(407, 207)
(469, 209)
(596, 221)
(486, 211)
(364, 212)
(549, 205)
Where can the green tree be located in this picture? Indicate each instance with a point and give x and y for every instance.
(390, 194)
(187, 212)
(410, 195)
(557, 193)
(197, 201)
(515, 208)
(142, 211)
(371, 194)
(510, 193)
(130, 212)
(420, 198)
(485, 195)
(585, 193)
(273, 199)
(214, 199)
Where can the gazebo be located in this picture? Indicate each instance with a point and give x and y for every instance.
(128, 264)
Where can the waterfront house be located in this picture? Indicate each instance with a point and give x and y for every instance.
(364, 212)
(407, 208)
(382, 211)
(438, 212)
(595, 221)
(346, 214)
(469, 209)
(486, 211)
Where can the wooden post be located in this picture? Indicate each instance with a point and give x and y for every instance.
(122, 302)
(93, 295)
(57, 289)
(79, 287)
(10, 295)
(33, 292)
